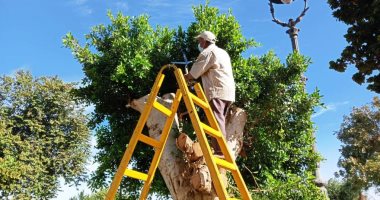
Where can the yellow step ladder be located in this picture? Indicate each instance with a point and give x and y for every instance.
(201, 129)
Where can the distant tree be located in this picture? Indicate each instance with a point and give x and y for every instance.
(99, 195)
(43, 136)
(129, 53)
(360, 135)
(342, 190)
(363, 36)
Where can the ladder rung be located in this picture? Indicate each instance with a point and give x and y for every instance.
(135, 174)
(210, 130)
(225, 164)
(162, 108)
(199, 101)
(149, 141)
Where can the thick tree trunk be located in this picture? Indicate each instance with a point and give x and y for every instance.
(173, 163)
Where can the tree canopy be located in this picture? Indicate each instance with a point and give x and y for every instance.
(363, 37)
(360, 135)
(43, 136)
(342, 190)
(121, 60)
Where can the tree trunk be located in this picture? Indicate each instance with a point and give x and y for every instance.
(362, 196)
(173, 164)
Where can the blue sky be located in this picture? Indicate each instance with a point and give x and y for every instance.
(32, 31)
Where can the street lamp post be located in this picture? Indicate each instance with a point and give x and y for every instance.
(293, 34)
(291, 25)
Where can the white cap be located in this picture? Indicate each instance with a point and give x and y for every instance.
(208, 36)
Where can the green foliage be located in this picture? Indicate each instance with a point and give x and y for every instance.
(342, 190)
(295, 187)
(363, 36)
(100, 195)
(279, 131)
(224, 26)
(360, 135)
(43, 136)
(129, 53)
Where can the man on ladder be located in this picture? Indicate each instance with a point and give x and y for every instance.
(213, 65)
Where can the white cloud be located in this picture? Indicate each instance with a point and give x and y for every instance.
(85, 10)
(159, 3)
(329, 107)
(82, 7)
(324, 110)
(169, 12)
(79, 2)
(224, 6)
(121, 6)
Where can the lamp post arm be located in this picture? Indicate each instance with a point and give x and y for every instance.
(283, 24)
(305, 9)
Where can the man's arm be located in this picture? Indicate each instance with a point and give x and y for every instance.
(201, 65)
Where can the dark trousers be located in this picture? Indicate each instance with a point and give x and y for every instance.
(219, 108)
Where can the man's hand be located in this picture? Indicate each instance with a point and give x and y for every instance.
(188, 77)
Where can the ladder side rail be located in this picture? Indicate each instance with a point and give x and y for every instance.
(210, 117)
(214, 124)
(163, 139)
(216, 177)
(225, 150)
(134, 139)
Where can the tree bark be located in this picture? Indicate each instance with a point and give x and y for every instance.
(173, 163)
(362, 196)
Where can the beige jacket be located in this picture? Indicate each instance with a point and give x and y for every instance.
(214, 66)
